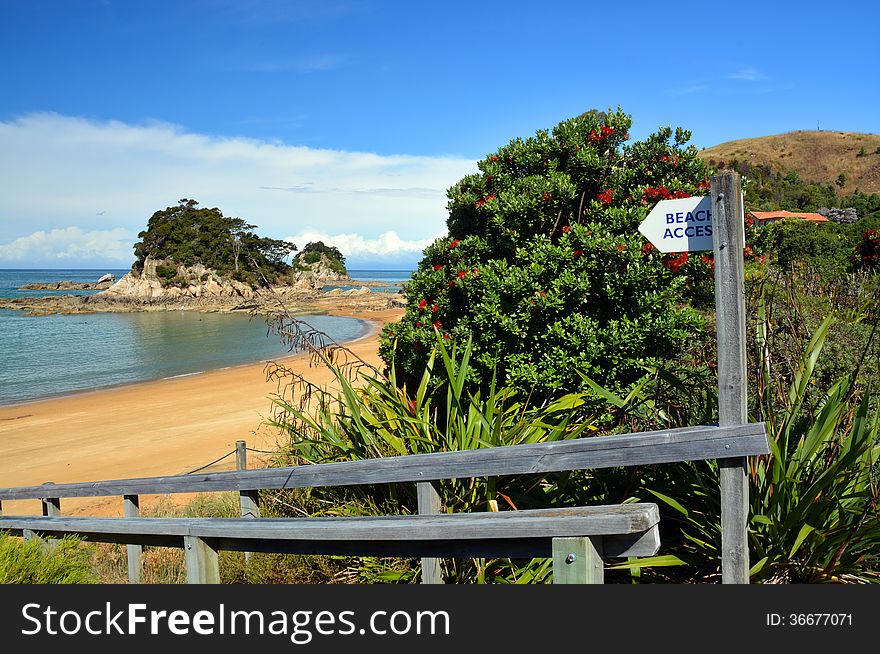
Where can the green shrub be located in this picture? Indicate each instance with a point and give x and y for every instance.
(544, 269)
(381, 418)
(812, 501)
(189, 234)
(824, 247)
(32, 562)
(166, 272)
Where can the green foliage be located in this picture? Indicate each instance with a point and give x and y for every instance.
(30, 562)
(766, 190)
(166, 272)
(824, 247)
(867, 251)
(313, 253)
(828, 250)
(544, 268)
(328, 250)
(813, 501)
(187, 235)
(382, 418)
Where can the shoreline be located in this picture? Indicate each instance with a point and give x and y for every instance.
(370, 327)
(155, 428)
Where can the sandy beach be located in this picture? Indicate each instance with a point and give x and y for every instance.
(164, 427)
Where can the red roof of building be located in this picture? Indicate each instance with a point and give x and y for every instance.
(776, 215)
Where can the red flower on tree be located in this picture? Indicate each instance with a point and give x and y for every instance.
(647, 248)
(462, 274)
(434, 308)
(422, 305)
(438, 267)
(709, 261)
(453, 244)
(659, 193)
(606, 196)
(674, 263)
(438, 324)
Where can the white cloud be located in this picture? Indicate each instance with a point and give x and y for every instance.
(59, 172)
(688, 90)
(748, 74)
(63, 246)
(357, 249)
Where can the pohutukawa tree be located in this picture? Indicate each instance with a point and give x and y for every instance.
(544, 267)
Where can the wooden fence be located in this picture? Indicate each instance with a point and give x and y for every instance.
(578, 539)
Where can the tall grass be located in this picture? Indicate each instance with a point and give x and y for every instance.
(33, 562)
(813, 501)
(165, 565)
(380, 418)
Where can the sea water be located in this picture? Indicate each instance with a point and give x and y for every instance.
(44, 356)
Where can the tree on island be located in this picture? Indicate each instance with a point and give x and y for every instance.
(544, 268)
(187, 234)
(314, 252)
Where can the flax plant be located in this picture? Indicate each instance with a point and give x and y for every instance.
(813, 501)
(372, 416)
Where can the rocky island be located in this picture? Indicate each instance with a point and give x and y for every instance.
(191, 258)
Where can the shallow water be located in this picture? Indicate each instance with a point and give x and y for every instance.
(43, 356)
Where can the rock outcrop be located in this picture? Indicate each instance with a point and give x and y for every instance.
(68, 286)
(161, 286)
(188, 282)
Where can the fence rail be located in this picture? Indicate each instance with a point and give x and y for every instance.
(577, 538)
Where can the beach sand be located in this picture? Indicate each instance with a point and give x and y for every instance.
(164, 427)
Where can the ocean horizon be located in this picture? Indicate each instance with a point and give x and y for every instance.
(56, 355)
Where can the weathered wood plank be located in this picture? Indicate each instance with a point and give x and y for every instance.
(578, 560)
(202, 561)
(247, 499)
(623, 546)
(132, 509)
(644, 543)
(730, 320)
(51, 507)
(647, 448)
(429, 504)
(569, 521)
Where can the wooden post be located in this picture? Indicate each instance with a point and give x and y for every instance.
(132, 509)
(730, 319)
(429, 504)
(202, 562)
(578, 560)
(247, 499)
(51, 507)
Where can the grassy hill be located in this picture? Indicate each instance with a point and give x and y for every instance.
(817, 156)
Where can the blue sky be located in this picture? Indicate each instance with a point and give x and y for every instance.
(348, 120)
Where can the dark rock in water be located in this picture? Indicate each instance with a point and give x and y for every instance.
(68, 286)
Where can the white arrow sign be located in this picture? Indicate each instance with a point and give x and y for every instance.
(680, 225)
